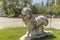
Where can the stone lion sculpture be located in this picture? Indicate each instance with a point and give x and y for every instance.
(34, 24)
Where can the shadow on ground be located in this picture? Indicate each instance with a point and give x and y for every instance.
(46, 38)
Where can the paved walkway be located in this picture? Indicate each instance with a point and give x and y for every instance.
(17, 22)
(11, 22)
(54, 23)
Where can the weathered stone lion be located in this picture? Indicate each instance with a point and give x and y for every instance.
(35, 25)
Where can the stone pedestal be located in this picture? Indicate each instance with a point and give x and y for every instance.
(44, 34)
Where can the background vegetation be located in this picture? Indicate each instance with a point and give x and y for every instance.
(13, 7)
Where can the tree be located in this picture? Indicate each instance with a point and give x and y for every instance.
(37, 8)
(42, 10)
(15, 6)
(34, 9)
(58, 2)
(5, 6)
(26, 2)
(42, 3)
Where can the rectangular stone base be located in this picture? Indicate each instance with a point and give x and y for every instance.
(44, 34)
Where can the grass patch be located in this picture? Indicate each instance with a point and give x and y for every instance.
(16, 33)
(12, 33)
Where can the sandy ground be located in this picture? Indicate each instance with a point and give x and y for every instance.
(17, 22)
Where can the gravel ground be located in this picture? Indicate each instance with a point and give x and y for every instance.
(17, 22)
(11, 22)
(54, 23)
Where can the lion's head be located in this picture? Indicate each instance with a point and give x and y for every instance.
(26, 12)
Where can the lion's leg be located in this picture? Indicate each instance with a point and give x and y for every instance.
(29, 32)
(42, 28)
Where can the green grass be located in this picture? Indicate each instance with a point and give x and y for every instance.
(12, 33)
(16, 33)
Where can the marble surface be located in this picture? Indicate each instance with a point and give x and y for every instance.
(35, 25)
